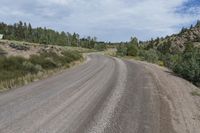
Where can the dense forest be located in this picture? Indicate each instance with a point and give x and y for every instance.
(24, 32)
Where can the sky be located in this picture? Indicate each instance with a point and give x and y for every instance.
(108, 20)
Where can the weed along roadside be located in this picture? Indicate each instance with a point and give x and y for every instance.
(16, 71)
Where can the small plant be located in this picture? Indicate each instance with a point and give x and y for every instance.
(195, 93)
(149, 55)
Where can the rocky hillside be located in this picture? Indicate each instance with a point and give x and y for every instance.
(177, 42)
(188, 35)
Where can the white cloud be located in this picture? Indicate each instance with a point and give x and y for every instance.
(58, 2)
(114, 19)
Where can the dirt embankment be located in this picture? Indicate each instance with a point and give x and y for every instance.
(24, 49)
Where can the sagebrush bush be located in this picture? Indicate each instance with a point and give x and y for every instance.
(149, 55)
(30, 68)
(44, 62)
(13, 69)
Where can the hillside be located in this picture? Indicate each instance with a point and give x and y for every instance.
(177, 42)
(179, 52)
(25, 32)
(26, 49)
(22, 62)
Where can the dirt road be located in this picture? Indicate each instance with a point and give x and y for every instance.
(104, 95)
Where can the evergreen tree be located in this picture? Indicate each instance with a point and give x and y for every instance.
(24, 32)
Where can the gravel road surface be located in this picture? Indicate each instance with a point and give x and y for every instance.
(103, 95)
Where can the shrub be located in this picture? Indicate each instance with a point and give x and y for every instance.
(100, 47)
(149, 55)
(11, 67)
(169, 60)
(43, 61)
(195, 93)
(30, 68)
(16, 70)
(188, 65)
(132, 50)
(121, 50)
(165, 47)
(11, 63)
(71, 55)
(51, 60)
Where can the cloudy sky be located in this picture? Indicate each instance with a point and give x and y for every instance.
(108, 20)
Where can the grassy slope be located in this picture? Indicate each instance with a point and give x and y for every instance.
(17, 71)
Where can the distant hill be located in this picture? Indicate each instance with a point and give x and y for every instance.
(177, 42)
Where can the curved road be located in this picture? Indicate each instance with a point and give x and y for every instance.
(103, 95)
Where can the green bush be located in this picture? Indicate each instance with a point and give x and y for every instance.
(100, 47)
(169, 60)
(188, 65)
(132, 50)
(149, 55)
(71, 55)
(11, 63)
(17, 67)
(31, 68)
(11, 67)
(121, 50)
(43, 61)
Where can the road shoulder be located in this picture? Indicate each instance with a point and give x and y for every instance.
(176, 92)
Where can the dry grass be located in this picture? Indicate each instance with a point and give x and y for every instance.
(110, 52)
(17, 82)
(35, 49)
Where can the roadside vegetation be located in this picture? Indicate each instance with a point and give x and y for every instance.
(180, 52)
(33, 53)
(2, 52)
(195, 93)
(184, 59)
(185, 64)
(16, 70)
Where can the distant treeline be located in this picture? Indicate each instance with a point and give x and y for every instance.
(24, 32)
